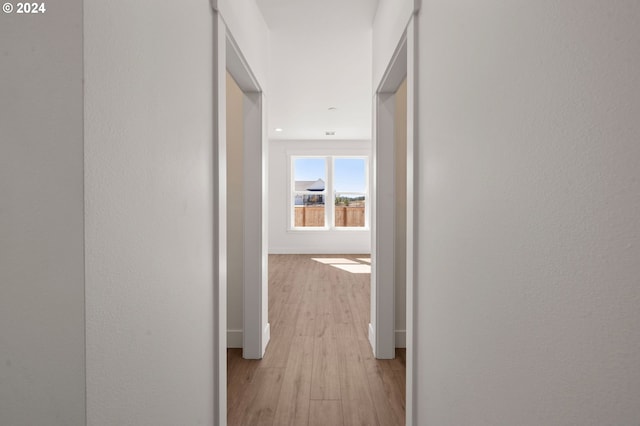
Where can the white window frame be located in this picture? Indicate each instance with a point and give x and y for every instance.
(329, 194)
(293, 193)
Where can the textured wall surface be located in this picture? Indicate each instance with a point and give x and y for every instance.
(529, 231)
(41, 218)
(148, 136)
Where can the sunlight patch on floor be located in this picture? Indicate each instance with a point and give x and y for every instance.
(334, 260)
(364, 259)
(358, 268)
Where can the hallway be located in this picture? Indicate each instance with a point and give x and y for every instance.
(318, 368)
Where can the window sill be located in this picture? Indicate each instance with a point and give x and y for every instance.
(325, 229)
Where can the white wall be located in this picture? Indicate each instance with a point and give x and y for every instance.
(235, 214)
(246, 24)
(283, 240)
(41, 218)
(529, 231)
(389, 23)
(148, 188)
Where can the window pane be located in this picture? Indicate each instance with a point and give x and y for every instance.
(309, 177)
(309, 210)
(309, 170)
(349, 175)
(350, 184)
(349, 210)
(309, 200)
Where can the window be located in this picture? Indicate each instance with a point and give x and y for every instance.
(339, 201)
(309, 191)
(350, 186)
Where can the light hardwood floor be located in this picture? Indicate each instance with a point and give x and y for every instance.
(318, 368)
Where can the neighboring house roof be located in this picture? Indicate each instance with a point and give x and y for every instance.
(310, 185)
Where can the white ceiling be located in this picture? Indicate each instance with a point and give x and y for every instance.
(320, 57)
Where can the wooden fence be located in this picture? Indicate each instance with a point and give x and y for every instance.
(314, 216)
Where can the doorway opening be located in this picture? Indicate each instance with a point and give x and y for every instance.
(382, 331)
(239, 177)
(247, 290)
(393, 225)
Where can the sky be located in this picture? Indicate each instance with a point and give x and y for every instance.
(349, 173)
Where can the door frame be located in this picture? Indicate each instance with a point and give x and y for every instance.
(382, 333)
(256, 330)
(227, 57)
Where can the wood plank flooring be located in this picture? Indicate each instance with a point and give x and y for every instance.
(318, 368)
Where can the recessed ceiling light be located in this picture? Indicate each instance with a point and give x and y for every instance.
(278, 129)
(330, 133)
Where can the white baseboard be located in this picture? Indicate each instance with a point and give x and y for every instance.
(400, 336)
(266, 336)
(234, 338)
